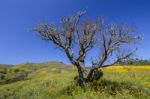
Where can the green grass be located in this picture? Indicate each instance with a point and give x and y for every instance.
(55, 81)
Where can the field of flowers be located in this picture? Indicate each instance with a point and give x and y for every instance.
(128, 68)
(54, 82)
(143, 72)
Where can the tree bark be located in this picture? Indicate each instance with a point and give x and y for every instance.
(93, 74)
(81, 80)
(89, 76)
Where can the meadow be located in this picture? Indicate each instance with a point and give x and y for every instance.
(54, 80)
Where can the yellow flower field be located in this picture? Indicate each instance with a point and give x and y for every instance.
(121, 69)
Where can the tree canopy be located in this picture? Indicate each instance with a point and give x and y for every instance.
(76, 37)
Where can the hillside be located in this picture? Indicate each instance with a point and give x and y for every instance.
(53, 80)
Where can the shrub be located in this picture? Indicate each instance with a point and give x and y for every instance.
(2, 76)
(97, 75)
(16, 77)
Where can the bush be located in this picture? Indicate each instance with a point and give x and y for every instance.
(97, 75)
(16, 77)
(3, 70)
(2, 76)
(16, 70)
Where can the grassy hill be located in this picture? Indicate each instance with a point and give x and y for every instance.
(54, 80)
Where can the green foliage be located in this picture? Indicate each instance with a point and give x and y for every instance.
(12, 74)
(97, 75)
(3, 69)
(2, 76)
(136, 61)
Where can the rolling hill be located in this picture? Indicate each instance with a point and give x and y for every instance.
(55, 80)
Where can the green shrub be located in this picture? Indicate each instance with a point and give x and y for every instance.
(2, 76)
(97, 75)
(12, 77)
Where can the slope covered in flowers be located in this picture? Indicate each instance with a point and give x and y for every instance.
(54, 80)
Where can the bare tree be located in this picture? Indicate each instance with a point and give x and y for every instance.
(77, 37)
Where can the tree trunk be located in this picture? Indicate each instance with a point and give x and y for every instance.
(90, 74)
(81, 80)
(94, 74)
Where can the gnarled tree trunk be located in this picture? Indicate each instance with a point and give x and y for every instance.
(84, 78)
(81, 80)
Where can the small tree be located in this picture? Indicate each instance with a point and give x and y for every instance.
(78, 37)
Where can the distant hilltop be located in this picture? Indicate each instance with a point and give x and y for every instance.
(5, 65)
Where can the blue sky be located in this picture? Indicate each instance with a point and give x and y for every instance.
(18, 44)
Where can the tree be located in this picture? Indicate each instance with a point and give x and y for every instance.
(78, 37)
(135, 61)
